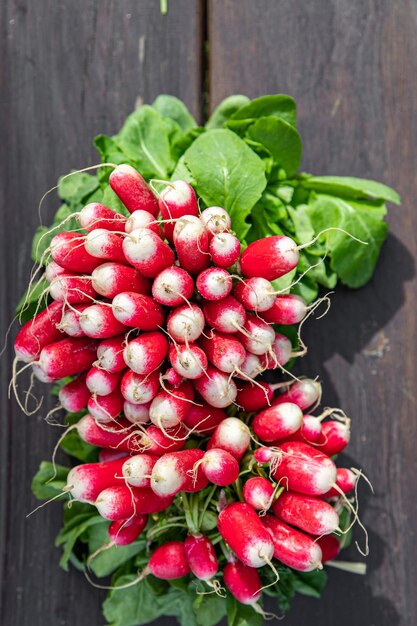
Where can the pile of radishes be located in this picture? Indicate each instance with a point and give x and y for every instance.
(164, 326)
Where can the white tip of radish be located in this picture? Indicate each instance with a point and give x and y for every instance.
(166, 480)
(216, 219)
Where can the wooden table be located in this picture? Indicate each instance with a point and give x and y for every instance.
(72, 68)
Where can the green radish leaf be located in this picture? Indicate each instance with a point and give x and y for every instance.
(227, 173)
(226, 109)
(172, 107)
(145, 140)
(68, 537)
(353, 262)
(310, 583)
(241, 614)
(281, 139)
(184, 142)
(109, 153)
(112, 200)
(279, 106)
(74, 187)
(356, 188)
(209, 609)
(46, 483)
(141, 603)
(111, 559)
(307, 288)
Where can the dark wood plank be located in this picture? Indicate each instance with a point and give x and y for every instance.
(68, 70)
(351, 67)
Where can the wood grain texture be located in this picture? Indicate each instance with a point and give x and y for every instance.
(69, 69)
(351, 66)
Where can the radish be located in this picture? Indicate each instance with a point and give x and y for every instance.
(335, 437)
(257, 336)
(250, 368)
(269, 258)
(216, 220)
(252, 543)
(185, 323)
(189, 361)
(132, 190)
(254, 397)
(277, 422)
(38, 333)
(115, 436)
(191, 240)
(305, 393)
(176, 200)
(168, 562)
(159, 442)
(231, 435)
(67, 357)
(67, 249)
(137, 310)
(304, 469)
(106, 408)
(142, 219)
(52, 270)
(172, 377)
(226, 316)
(146, 251)
(98, 321)
(201, 557)
(173, 286)
(70, 321)
(74, 395)
(173, 472)
(169, 408)
(216, 388)
(95, 215)
(220, 467)
(243, 582)
(345, 480)
(330, 547)
(258, 492)
(214, 283)
(146, 353)
(111, 279)
(310, 514)
(122, 502)
(224, 351)
(279, 354)
(125, 532)
(86, 481)
(203, 419)
(72, 289)
(287, 309)
(256, 294)
(107, 454)
(101, 382)
(224, 249)
(292, 547)
(139, 389)
(110, 354)
(103, 244)
(136, 469)
(136, 413)
(311, 429)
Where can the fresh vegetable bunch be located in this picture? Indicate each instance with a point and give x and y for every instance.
(163, 308)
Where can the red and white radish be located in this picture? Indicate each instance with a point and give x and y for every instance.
(270, 257)
(224, 249)
(258, 492)
(186, 323)
(136, 310)
(292, 547)
(277, 422)
(132, 190)
(111, 279)
(146, 353)
(98, 321)
(173, 286)
(307, 513)
(146, 251)
(231, 435)
(176, 200)
(214, 283)
(217, 389)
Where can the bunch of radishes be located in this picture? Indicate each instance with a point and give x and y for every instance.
(166, 325)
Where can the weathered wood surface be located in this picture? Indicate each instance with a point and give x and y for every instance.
(70, 69)
(351, 66)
